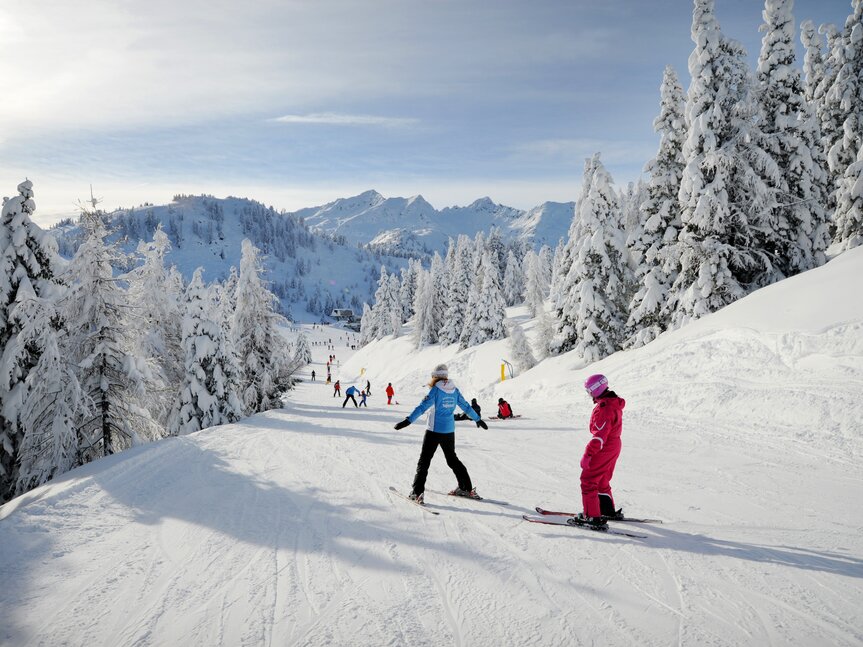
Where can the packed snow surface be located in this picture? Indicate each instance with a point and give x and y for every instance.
(742, 432)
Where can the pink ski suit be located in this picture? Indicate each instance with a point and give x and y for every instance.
(601, 454)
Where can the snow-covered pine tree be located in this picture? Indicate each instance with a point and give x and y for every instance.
(727, 204)
(845, 96)
(494, 244)
(630, 209)
(101, 345)
(366, 329)
(849, 206)
(27, 255)
(545, 331)
(302, 352)
(486, 308)
(207, 395)
(513, 280)
(595, 291)
(828, 103)
(381, 320)
(458, 291)
(799, 235)
(660, 212)
(535, 286)
(154, 296)
(440, 278)
(424, 306)
(563, 260)
(546, 259)
(396, 310)
(408, 289)
(522, 356)
(813, 62)
(264, 367)
(54, 400)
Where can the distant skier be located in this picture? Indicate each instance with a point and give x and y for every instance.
(390, 392)
(601, 453)
(349, 395)
(504, 411)
(368, 387)
(337, 389)
(313, 375)
(442, 398)
(363, 397)
(473, 405)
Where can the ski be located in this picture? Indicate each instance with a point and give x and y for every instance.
(496, 419)
(421, 506)
(575, 514)
(553, 520)
(469, 498)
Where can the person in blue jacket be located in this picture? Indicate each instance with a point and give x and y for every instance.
(440, 402)
(350, 393)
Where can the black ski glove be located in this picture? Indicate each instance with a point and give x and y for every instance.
(481, 423)
(404, 423)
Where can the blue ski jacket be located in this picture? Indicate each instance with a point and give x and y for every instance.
(441, 402)
(352, 390)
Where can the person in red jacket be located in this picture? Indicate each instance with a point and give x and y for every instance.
(504, 411)
(390, 392)
(602, 451)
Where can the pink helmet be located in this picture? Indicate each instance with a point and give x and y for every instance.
(596, 385)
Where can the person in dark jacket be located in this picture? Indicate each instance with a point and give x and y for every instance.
(473, 405)
(337, 389)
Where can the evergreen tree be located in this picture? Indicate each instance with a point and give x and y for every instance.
(424, 305)
(845, 97)
(458, 292)
(726, 201)
(546, 259)
(495, 245)
(303, 352)
(545, 332)
(29, 259)
(366, 325)
(522, 357)
(595, 299)
(156, 292)
(799, 233)
(849, 206)
(408, 289)
(49, 445)
(208, 394)
(535, 286)
(377, 328)
(513, 280)
(486, 309)
(828, 107)
(264, 367)
(101, 345)
(661, 219)
(813, 63)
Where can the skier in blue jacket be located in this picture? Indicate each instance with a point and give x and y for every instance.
(440, 430)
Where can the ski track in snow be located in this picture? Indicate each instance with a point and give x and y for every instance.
(281, 530)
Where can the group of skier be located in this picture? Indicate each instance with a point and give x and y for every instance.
(597, 463)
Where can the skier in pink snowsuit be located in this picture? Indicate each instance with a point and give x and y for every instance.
(602, 451)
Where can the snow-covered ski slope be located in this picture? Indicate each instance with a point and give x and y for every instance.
(742, 432)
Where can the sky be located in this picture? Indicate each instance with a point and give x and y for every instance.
(296, 103)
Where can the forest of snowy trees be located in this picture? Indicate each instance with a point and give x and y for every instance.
(758, 176)
(94, 362)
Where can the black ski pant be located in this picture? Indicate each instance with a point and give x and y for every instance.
(430, 445)
(351, 398)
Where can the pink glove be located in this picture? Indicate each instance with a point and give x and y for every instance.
(585, 462)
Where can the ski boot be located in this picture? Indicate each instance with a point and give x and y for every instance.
(594, 523)
(469, 494)
(417, 498)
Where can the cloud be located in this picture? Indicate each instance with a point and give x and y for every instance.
(335, 119)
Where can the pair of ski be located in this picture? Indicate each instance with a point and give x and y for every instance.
(571, 519)
(424, 508)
